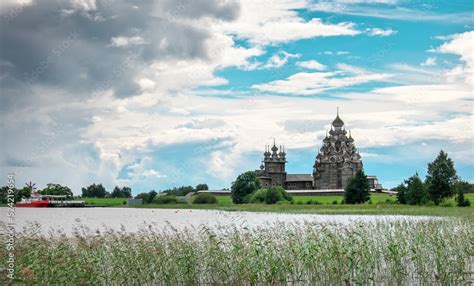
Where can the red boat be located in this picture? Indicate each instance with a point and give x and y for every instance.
(48, 201)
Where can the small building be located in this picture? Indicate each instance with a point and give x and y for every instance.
(374, 183)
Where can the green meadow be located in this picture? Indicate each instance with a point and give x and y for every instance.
(380, 204)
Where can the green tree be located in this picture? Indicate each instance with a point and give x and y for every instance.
(244, 186)
(441, 178)
(94, 191)
(202, 187)
(147, 197)
(462, 187)
(401, 194)
(124, 192)
(180, 191)
(416, 193)
(144, 196)
(357, 189)
(56, 190)
(152, 195)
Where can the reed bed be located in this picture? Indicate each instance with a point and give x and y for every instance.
(396, 253)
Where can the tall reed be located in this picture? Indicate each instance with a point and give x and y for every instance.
(396, 253)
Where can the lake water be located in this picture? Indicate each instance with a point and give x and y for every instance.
(132, 220)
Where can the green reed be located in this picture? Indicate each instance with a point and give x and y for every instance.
(396, 253)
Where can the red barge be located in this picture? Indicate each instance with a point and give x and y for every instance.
(48, 201)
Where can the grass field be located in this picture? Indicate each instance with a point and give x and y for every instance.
(378, 206)
(105, 202)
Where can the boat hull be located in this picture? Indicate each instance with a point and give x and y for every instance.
(36, 204)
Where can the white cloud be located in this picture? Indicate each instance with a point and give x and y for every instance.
(461, 45)
(275, 61)
(264, 23)
(430, 61)
(312, 64)
(122, 41)
(280, 59)
(388, 10)
(337, 53)
(305, 83)
(380, 32)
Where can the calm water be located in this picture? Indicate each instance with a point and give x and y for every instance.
(132, 220)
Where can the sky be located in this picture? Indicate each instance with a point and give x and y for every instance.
(157, 94)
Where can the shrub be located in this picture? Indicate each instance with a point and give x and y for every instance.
(309, 202)
(447, 204)
(334, 202)
(401, 194)
(204, 198)
(167, 200)
(258, 196)
(244, 186)
(270, 196)
(416, 193)
(273, 195)
(276, 194)
(461, 188)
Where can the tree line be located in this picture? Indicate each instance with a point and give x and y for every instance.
(169, 196)
(441, 183)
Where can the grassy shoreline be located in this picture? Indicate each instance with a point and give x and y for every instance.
(378, 209)
(379, 206)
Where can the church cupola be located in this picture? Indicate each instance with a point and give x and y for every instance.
(266, 154)
(274, 150)
(338, 123)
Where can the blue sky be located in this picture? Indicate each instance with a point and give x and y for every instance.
(155, 95)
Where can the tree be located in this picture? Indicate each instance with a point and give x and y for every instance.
(401, 194)
(357, 189)
(152, 194)
(462, 187)
(94, 191)
(56, 190)
(202, 187)
(244, 186)
(441, 178)
(416, 193)
(25, 192)
(124, 192)
(147, 197)
(181, 191)
(144, 196)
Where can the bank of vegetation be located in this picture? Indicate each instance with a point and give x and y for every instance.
(436, 252)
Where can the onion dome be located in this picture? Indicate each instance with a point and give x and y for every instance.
(326, 139)
(350, 139)
(274, 148)
(338, 122)
(266, 153)
(282, 152)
